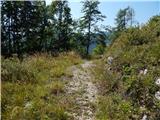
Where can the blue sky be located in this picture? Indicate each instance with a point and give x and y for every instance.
(143, 9)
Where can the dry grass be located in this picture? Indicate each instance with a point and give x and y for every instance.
(34, 89)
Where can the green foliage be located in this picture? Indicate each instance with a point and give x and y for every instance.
(77, 42)
(23, 26)
(113, 107)
(100, 49)
(124, 16)
(31, 26)
(91, 16)
(135, 50)
(61, 16)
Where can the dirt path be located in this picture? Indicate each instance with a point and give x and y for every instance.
(86, 92)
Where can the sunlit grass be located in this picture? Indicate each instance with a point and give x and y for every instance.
(125, 93)
(34, 89)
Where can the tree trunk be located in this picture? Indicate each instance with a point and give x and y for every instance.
(89, 32)
(60, 21)
(88, 43)
(9, 42)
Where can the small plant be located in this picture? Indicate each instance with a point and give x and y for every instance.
(56, 87)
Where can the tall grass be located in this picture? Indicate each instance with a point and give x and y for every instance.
(34, 88)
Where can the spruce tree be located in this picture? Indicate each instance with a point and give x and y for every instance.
(91, 16)
(124, 17)
(62, 22)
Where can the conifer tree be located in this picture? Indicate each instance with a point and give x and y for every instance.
(92, 15)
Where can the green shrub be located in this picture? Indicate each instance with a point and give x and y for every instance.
(100, 49)
(133, 51)
(113, 107)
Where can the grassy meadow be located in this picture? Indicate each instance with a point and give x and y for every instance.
(34, 88)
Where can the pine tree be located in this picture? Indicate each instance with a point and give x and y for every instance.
(91, 16)
(6, 19)
(121, 19)
(124, 17)
(130, 15)
(22, 26)
(62, 22)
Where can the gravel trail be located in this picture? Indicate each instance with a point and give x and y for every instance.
(86, 92)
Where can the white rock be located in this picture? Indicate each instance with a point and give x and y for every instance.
(110, 60)
(50, 21)
(30, 29)
(141, 72)
(144, 117)
(28, 105)
(109, 68)
(145, 71)
(157, 95)
(142, 108)
(158, 82)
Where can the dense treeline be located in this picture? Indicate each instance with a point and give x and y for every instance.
(23, 26)
(31, 26)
